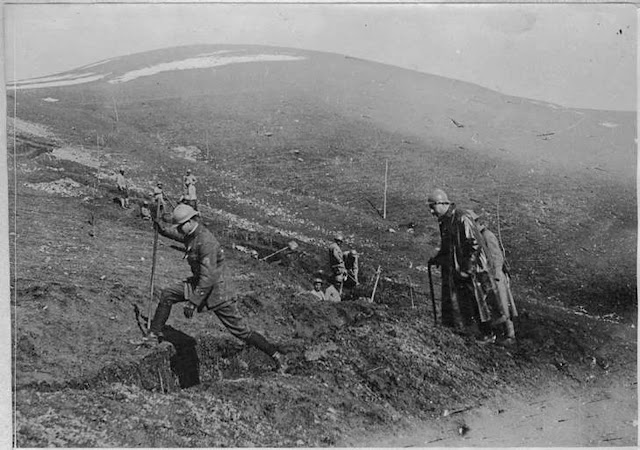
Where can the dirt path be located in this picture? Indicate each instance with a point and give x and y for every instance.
(602, 415)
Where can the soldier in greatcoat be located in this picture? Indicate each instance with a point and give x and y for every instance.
(468, 276)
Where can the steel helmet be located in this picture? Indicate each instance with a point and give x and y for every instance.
(188, 170)
(145, 202)
(317, 280)
(438, 196)
(182, 213)
(338, 237)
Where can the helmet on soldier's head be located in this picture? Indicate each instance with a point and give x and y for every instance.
(317, 280)
(338, 237)
(438, 196)
(159, 184)
(188, 170)
(145, 202)
(182, 213)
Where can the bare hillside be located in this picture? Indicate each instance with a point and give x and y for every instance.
(289, 145)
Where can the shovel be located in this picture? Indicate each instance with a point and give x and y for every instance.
(291, 245)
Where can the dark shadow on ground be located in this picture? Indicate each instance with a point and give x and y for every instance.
(185, 363)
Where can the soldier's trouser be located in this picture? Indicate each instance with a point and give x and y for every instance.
(226, 311)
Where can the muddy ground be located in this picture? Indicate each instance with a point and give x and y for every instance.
(360, 373)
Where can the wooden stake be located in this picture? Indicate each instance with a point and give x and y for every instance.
(375, 285)
(115, 107)
(206, 137)
(384, 205)
(413, 306)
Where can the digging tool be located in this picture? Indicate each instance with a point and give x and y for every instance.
(433, 297)
(153, 272)
(375, 285)
(291, 245)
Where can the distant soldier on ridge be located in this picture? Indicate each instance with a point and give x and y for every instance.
(159, 198)
(123, 189)
(189, 196)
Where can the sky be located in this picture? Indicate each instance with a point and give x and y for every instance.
(576, 55)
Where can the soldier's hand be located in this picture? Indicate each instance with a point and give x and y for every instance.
(189, 309)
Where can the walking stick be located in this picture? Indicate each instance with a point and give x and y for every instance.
(433, 297)
(153, 272)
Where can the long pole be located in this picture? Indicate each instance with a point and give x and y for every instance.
(433, 297)
(384, 205)
(153, 272)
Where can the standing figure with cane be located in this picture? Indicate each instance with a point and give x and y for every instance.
(469, 290)
(204, 289)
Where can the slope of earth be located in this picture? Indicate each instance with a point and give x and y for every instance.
(276, 161)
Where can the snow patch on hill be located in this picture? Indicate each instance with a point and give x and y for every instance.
(201, 62)
(58, 81)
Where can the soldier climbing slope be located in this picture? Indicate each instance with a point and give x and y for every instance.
(203, 290)
(468, 278)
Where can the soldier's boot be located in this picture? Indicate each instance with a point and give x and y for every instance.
(261, 343)
(509, 334)
(487, 336)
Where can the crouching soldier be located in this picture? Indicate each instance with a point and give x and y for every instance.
(203, 290)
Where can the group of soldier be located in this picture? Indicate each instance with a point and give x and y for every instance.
(476, 293)
(160, 198)
(475, 296)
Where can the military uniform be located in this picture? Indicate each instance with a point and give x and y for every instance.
(502, 281)
(190, 198)
(123, 189)
(204, 288)
(158, 197)
(336, 261)
(331, 294)
(467, 272)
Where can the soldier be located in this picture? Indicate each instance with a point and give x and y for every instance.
(351, 265)
(332, 294)
(467, 273)
(145, 213)
(317, 289)
(123, 189)
(189, 179)
(336, 262)
(204, 288)
(189, 196)
(503, 285)
(158, 197)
